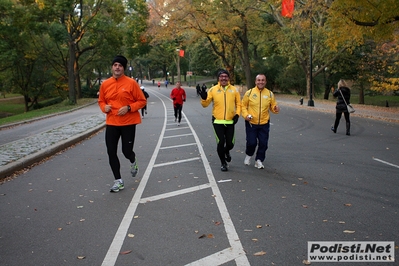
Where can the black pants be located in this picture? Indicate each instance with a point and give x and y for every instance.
(144, 109)
(178, 107)
(224, 139)
(338, 116)
(112, 135)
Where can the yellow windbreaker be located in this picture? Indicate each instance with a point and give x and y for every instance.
(258, 103)
(226, 103)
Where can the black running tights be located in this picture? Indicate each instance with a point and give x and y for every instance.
(112, 135)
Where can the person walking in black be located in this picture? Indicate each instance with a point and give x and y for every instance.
(343, 94)
(144, 109)
(198, 88)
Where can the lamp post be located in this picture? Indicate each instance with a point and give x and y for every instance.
(178, 65)
(311, 102)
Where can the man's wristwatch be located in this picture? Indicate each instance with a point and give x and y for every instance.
(128, 108)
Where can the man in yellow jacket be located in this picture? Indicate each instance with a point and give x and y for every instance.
(226, 111)
(256, 104)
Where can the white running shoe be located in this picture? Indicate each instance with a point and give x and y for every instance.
(259, 165)
(247, 160)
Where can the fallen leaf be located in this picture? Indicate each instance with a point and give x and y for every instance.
(59, 228)
(255, 239)
(79, 207)
(210, 236)
(130, 235)
(341, 222)
(293, 185)
(202, 236)
(260, 253)
(217, 223)
(325, 220)
(125, 252)
(348, 204)
(267, 225)
(349, 232)
(81, 257)
(247, 230)
(135, 217)
(258, 226)
(91, 201)
(196, 231)
(69, 223)
(82, 220)
(305, 206)
(306, 262)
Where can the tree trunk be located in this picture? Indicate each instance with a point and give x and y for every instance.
(361, 93)
(71, 72)
(78, 84)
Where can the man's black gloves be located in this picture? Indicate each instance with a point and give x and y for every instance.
(235, 119)
(204, 94)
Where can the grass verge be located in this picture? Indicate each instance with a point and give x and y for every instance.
(12, 107)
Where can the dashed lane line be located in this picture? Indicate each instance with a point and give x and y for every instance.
(235, 252)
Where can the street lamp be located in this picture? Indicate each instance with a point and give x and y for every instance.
(178, 64)
(130, 70)
(311, 102)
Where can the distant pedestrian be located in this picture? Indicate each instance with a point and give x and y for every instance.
(226, 111)
(178, 95)
(203, 87)
(198, 88)
(159, 85)
(343, 94)
(146, 95)
(166, 83)
(120, 99)
(256, 104)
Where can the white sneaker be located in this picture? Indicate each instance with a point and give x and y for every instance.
(259, 165)
(247, 160)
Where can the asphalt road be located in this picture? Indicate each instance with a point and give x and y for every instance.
(182, 210)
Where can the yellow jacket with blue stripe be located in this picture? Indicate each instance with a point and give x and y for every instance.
(258, 103)
(226, 103)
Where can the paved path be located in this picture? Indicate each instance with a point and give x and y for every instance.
(23, 152)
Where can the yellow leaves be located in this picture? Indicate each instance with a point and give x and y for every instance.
(260, 253)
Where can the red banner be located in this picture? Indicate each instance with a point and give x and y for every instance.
(287, 8)
(181, 53)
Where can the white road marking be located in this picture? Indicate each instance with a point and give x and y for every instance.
(178, 146)
(384, 162)
(235, 252)
(176, 162)
(175, 193)
(177, 136)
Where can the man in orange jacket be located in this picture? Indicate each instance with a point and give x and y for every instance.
(121, 99)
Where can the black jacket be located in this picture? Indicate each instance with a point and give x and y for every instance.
(340, 101)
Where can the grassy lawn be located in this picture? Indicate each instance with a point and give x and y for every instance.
(12, 109)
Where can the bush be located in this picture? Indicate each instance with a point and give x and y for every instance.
(90, 92)
(47, 103)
